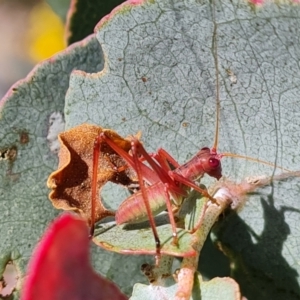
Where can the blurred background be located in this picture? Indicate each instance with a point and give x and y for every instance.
(30, 31)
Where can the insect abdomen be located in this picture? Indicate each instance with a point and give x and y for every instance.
(133, 209)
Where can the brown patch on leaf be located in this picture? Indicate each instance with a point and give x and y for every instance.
(71, 183)
(24, 137)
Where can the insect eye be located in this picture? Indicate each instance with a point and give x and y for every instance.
(214, 162)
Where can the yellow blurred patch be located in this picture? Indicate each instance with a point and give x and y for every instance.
(45, 33)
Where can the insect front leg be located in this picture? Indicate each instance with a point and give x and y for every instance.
(191, 184)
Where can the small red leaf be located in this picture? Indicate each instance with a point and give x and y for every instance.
(60, 267)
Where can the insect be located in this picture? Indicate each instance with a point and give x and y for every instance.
(159, 184)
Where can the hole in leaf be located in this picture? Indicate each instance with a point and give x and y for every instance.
(9, 280)
(9, 154)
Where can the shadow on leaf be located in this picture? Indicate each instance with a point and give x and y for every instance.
(257, 261)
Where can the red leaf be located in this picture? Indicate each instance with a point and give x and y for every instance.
(60, 267)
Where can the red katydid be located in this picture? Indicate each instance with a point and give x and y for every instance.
(163, 184)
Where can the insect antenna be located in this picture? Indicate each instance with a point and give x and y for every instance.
(215, 55)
